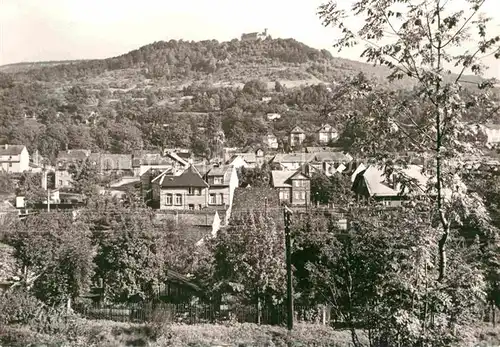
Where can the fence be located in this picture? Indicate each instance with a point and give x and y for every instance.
(196, 314)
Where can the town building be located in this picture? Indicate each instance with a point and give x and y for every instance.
(222, 181)
(326, 133)
(294, 187)
(113, 164)
(64, 162)
(142, 161)
(296, 136)
(270, 141)
(14, 158)
(180, 189)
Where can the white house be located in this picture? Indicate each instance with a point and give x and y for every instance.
(492, 131)
(326, 133)
(270, 141)
(14, 158)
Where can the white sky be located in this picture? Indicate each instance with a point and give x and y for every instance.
(35, 30)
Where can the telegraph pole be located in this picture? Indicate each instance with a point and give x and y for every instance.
(289, 286)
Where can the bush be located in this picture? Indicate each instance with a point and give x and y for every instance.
(18, 307)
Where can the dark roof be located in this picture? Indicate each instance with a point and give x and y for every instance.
(189, 178)
(11, 149)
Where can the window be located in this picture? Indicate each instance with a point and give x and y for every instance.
(199, 206)
(60, 183)
(212, 200)
(218, 180)
(297, 196)
(286, 196)
(168, 200)
(191, 207)
(178, 199)
(194, 191)
(222, 199)
(303, 195)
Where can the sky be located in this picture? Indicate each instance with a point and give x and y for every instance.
(38, 30)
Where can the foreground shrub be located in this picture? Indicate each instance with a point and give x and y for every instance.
(18, 307)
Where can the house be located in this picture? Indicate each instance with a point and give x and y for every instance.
(326, 133)
(273, 116)
(64, 161)
(222, 181)
(271, 141)
(143, 161)
(291, 161)
(120, 187)
(250, 36)
(248, 160)
(331, 162)
(320, 149)
(296, 137)
(180, 189)
(370, 184)
(390, 189)
(14, 158)
(492, 132)
(117, 164)
(183, 153)
(8, 212)
(294, 187)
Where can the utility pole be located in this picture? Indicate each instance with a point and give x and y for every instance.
(289, 287)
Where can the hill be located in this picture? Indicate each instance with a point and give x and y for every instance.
(177, 63)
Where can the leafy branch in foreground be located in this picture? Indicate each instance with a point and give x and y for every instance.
(424, 41)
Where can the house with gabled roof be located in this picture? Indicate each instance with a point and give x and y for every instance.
(270, 141)
(296, 136)
(294, 187)
(222, 181)
(142, 161)
(14, 158)
(64, 161)
(180, 189)
(326, 133)
(291, 161)
(390, 189)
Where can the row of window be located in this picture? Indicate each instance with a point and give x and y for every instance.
(284, 195)
(176, 199)
(299, 183)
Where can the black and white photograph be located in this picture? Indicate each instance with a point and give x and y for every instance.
(301, 173)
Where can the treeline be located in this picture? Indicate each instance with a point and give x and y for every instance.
(116, 122)
(180, 59)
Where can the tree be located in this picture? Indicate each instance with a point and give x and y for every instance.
(248, 259)
(334, 189)
(380, 281)
(131, 251)
(255, 177)
(85, 175)
(56, 255)
(30, 186)
(420, 41)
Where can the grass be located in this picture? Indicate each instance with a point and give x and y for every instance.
(92, 333)
(102, 333)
